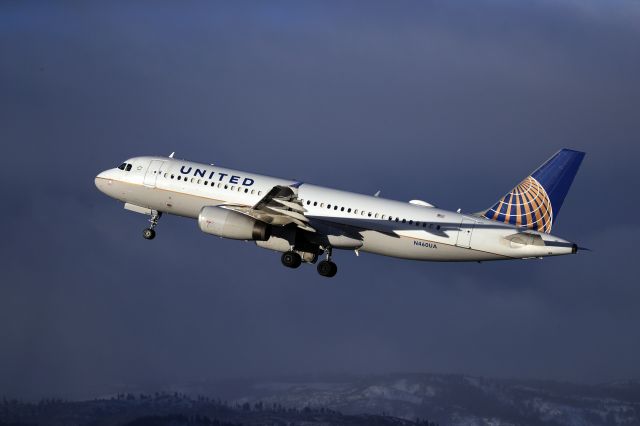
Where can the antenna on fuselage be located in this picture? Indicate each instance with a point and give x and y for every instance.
(377, 194)
(172, 154)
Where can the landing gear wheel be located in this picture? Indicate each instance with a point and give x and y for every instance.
(149, 234)
(291, 259)
(327, 268)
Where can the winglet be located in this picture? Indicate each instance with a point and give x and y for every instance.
(172, 154)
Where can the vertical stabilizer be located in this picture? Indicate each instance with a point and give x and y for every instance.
(535, 203)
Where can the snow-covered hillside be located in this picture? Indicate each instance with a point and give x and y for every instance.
(457, 399)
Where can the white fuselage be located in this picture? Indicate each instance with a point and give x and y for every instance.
(386, 227)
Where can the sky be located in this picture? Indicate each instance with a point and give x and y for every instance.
(450, 102)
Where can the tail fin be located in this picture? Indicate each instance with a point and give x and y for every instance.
(536, 201)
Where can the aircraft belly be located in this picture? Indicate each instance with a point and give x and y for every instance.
(419, 249)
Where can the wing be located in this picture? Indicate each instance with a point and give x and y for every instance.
(280, 206)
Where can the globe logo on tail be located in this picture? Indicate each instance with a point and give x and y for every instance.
(527, 206)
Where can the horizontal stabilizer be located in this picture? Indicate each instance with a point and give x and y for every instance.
(525, 238)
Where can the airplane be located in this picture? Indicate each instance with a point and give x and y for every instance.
(305, 221)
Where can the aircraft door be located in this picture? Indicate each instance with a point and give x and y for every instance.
(466, 230)
(152, 173)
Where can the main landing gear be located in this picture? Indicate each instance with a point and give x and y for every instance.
(291, 259)
(327, 268)
(150, 233)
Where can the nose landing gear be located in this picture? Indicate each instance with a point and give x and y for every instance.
(150, 233)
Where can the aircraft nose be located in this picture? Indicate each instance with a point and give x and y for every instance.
(102, 180)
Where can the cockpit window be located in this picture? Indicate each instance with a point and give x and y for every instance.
(128, 167)
(122, 166)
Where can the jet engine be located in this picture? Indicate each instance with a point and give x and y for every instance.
(230, 224)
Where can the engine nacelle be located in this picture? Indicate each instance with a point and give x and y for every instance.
(229, 224)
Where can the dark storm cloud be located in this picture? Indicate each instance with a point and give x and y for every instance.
(452, 103)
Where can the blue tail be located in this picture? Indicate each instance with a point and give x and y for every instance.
(535, 203)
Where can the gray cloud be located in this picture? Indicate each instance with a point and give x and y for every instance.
(452, 103)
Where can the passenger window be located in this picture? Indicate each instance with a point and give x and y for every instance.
(259, 192)
(321, 204)
(438, 227)
(172, 176)
(355, 211)
(424, 225)
(411, 222)
(308, 202)
(404, 220)
(128, 167)
(246, 190)
(369, 214)
(315, 203)
(253, 191)
(349, 210)
(417, 223)
(329, 206)
(376, 215)
(225, 187)
(390, 218)
(397, 219)
(179, 177)
(335, 207)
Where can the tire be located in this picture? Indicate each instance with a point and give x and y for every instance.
(148, 234)
(327, 268)
(291, 259)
